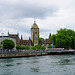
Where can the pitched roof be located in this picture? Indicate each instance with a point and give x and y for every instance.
(35, 25)
(14, 35)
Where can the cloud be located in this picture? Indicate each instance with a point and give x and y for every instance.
(26, 9)
(51, 15)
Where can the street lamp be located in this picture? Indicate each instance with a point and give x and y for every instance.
(2, 40)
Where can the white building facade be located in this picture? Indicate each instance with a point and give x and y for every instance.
(7, 37)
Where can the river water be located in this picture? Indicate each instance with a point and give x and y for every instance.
(39, 65)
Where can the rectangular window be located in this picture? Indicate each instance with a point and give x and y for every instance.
(35, 32)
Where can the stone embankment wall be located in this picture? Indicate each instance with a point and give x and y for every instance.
(9, 55)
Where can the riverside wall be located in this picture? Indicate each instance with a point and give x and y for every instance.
(14, 55)
(29, 54)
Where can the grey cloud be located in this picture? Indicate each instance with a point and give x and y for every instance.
(19, 28)
(26, 10)
(37, 11)
(10, 12)
(45, 30)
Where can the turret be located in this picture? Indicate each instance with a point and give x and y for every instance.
(8, 33)
(21, 37)
(35, 33)
(18, 34)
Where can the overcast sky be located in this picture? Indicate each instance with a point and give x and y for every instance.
(51, 15)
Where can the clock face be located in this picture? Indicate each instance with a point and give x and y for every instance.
(36, 36)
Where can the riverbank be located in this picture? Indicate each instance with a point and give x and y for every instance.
(15, 55)
(58, 52)
(34, 53)
(39, 65)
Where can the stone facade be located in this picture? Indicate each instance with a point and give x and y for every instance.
(20, 41)
(45, 43)
(35, 34)
(34, 40)
(15, 36)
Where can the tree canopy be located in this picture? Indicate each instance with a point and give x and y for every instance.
(19, 47)
(40, 40)
(33, 47)
(8, 44)
(27, 47)
(38, 47)
(43, 47)
(0, 46)
(64, 38)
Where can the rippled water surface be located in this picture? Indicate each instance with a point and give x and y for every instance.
(39, 65)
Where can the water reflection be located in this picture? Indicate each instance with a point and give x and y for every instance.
(40, 65)
(74, 59)
(8, 73)
(36, 69)
(35, 62)
(65, 62)
(18, 63)
(8, 65)
(7, 60)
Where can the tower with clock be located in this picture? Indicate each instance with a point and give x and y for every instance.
(35, 33)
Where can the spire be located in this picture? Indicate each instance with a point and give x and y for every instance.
(8, 33)
(29, 38)
(34, 24)
(50, 34)
(18, 33)
(21, 37)
(34, 21)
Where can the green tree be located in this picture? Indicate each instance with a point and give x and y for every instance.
(64, 38)
(43, 47)
(38, 47)
(40, 40)
(71, 34)
(53, 39)
(17, 47)
(20, 47)
(8, 44)
(0, 46)
(23, 47)
(27, 47)
(33, 47)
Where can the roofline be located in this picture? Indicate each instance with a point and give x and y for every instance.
(8, 36)
(34, 28)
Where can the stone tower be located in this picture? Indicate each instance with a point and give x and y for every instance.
(35, 33)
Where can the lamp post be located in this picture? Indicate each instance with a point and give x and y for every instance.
(2, 41)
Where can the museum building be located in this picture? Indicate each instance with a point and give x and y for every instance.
(34, 40)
